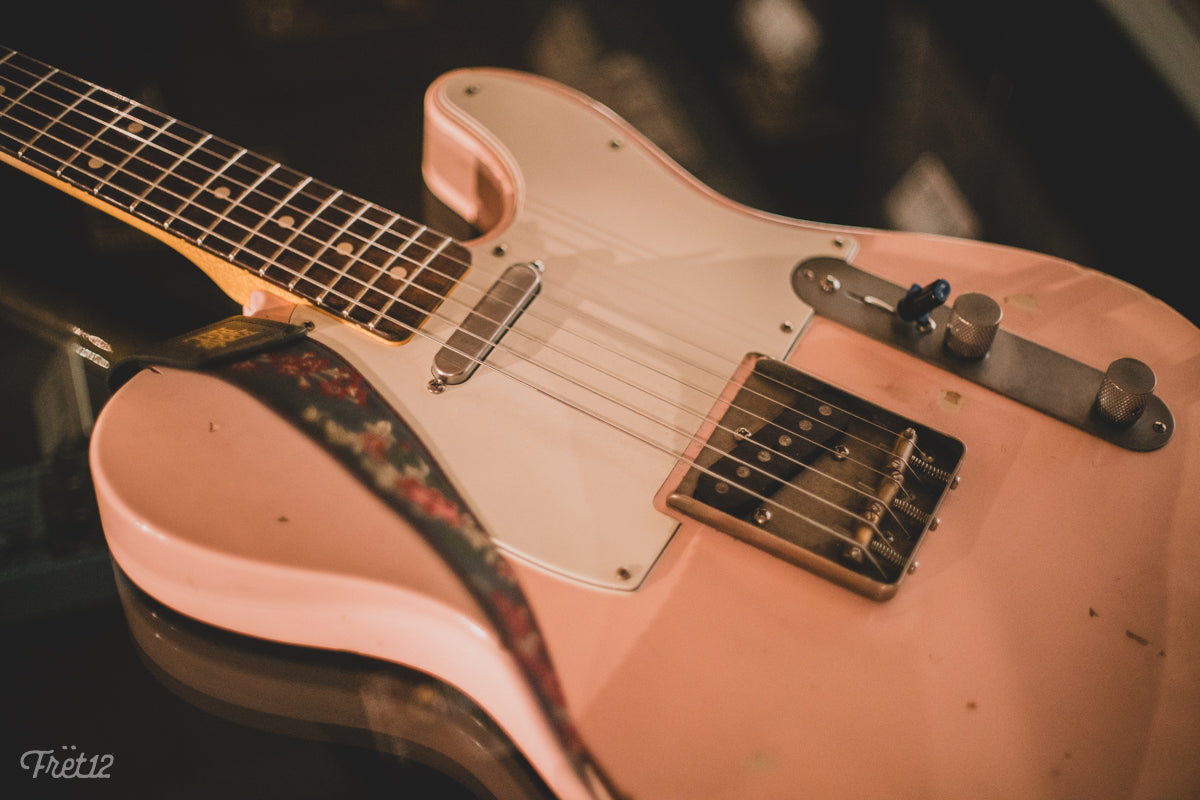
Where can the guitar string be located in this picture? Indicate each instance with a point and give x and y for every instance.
(588, 388)
(679, 432)
(344, 232)
(199, 188)
(64, 163)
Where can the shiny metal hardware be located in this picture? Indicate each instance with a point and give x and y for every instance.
(1127, 387)
(854, 515)
(974, 321)
(1029, 373)
(889, 483)
(491, 318)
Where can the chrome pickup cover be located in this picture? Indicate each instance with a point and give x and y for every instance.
(816, 476)
(487, 323)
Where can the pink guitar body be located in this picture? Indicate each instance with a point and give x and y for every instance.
(1048, 645)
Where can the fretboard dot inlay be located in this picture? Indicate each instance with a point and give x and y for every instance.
(376, 269)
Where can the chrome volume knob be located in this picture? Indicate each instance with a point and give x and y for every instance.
(974, 320)
(1124, 391)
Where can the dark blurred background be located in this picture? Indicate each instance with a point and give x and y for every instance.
(1065, 126)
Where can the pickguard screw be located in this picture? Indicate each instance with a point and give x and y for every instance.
(616, 144)
(786, 327)
(472, 89)
(839, 242)
(624, 574)
(499, 250)
(436, 386)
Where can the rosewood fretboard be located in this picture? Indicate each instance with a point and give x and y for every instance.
(352, 258)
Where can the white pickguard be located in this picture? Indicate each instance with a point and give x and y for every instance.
(639, 268)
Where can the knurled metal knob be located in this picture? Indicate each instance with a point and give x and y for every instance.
(1126, 388)
(974, 320)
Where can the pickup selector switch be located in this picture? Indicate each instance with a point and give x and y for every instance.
(974, 320)
(1124, 391)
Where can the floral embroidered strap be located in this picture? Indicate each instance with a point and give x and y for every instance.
(329, 400)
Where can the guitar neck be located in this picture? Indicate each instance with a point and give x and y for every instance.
(378, 270)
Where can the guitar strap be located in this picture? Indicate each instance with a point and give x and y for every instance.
(326, 398)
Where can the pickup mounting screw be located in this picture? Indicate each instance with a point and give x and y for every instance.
(762, 515)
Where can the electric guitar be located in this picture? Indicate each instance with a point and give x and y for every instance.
(709, 444)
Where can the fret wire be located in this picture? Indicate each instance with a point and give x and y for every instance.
(398, 254)
(412, 280)
(322, 246)
(352, 256)
(286, 244)
(164, 131)
(167, 171)
(22, 96)
(142, 142)
(171, 169)
(263, 218)
(379, 317)
(281, 246)
(252, 232)
(192, 198)
(424, 263)
(383, 270)
(78, 150)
